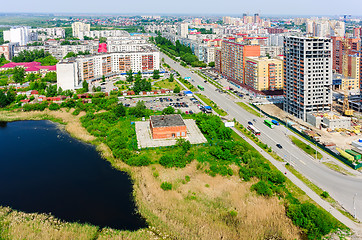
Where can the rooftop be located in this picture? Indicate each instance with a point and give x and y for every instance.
(167, 120)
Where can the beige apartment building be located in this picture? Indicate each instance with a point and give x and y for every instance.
(79, 27)
(262, 73)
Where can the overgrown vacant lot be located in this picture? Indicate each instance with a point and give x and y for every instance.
(205, 207)
(223, 189)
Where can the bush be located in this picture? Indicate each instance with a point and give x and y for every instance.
(76, 112)
(325, 194)
(315, 221)
(54, 107)
(142, 160)
(262, 188)
(166, 186)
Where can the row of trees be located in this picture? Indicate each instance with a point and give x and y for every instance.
(178, 50)
(73, 54)
(19, 76)
(45, 58)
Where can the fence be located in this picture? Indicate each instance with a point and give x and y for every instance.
(344, 160)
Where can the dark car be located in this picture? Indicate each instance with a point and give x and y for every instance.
(279, 146)
(205, 81)
(250, 123)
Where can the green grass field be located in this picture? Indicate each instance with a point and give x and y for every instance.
(249, 109)
(305, 147)
(212, 104)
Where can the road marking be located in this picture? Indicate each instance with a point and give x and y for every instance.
(302, 162)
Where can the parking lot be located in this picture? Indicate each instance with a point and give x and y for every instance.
(183, 103)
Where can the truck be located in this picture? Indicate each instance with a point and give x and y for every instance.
(275, 122)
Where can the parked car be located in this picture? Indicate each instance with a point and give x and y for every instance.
(250, 123)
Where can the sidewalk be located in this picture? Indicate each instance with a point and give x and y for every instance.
(355, 227)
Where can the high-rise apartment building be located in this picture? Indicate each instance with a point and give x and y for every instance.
(183, 30)
(79, 27)
(263, 73)
(338, 50)
(18, 35)
(233, 59)
(307, 75)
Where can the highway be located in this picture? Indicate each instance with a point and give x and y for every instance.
(345, 189)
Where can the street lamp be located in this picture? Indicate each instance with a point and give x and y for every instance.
(354, 205)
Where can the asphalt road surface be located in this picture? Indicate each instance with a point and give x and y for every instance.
(347, 190)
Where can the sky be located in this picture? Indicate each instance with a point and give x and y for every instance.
(189, 7)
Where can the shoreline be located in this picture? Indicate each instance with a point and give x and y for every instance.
(62, 121)
(198, 209)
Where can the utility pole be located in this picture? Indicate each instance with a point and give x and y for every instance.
(354, 205)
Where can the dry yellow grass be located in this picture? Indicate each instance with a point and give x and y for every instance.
(19, 225)
(199, 209)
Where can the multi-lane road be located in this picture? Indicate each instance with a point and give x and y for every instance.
(347, 190)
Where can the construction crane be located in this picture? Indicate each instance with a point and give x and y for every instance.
(346, 48)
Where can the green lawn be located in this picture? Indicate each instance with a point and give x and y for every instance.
(249, 109)
(165, 84)
(305, 147)
(211, 104)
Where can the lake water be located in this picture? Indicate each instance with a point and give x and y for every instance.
(43, 169)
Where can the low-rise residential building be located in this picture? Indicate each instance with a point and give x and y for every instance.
(30, 67)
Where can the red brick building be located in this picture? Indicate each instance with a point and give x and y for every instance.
(167, 126)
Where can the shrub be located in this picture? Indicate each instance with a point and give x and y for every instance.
(76, 112)
(262, 188)
(315, 221)
(141, 160)
(54, 107)
(166, 186)
(325, 194)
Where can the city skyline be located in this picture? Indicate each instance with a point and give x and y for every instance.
(188, 7)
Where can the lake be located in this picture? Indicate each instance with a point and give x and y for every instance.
(43, 169)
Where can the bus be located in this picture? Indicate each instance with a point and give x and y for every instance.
(254, 130)
(269, 123)
(201, 87)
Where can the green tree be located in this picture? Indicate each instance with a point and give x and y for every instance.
(103, 78)
(11, 95)
(119, 110)
(31, 77)
(85, 86)
(171, 78)
(138, 111)
(70, 54)
(156, 74)
(138, 76)
(51, 91)
(3, 99)
(212, 64)
(168, 110)
(47, 61)
(50, 77)
(177, 89)
(102, 40)
(19, 74)
(129, 76)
